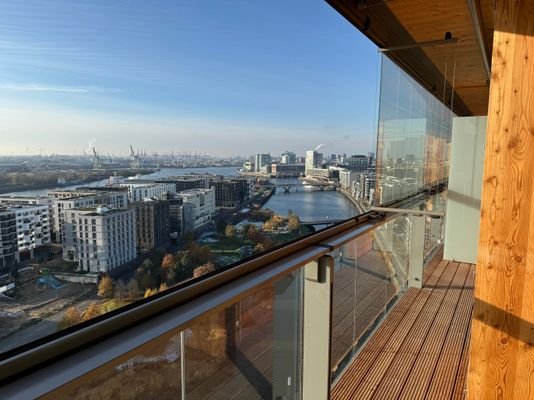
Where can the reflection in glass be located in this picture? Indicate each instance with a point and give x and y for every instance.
(250, 349)
(370, 272)
(414, 133)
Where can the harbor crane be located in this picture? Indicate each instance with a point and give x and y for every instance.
(134, 159)
(97, 161)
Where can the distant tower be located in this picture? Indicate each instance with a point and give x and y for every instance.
(313, 160)
(261, 161)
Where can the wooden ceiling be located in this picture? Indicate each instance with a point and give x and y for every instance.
(390, 23)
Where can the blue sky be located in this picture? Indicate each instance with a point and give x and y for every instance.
(214, 76)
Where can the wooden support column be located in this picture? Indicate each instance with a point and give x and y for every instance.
(502, 340)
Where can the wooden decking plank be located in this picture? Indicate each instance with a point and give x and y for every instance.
(241, 387)
(399, 321)
(420, 374)
(393, 365)
(355, 314)
(364, 316)
(458, 392)
(456, 302)
(444, 378)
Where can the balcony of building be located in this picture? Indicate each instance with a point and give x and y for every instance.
(383, 305)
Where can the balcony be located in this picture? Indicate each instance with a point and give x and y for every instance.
(337, 311)
(368, 308)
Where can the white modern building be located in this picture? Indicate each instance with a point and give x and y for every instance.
(32, 200)
(103, 238)
(288, 157)
(8, 239)
(314, 160)
(347, 177)
(203, 201)
(117, 199)
(138, 191)
(33, 226)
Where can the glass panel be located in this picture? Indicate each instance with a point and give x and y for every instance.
(370, 272)
(414, 132)
(434, 226)
(152, 370)
(251, 349)
(434, 233)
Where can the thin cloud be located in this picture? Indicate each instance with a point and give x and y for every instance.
(30, 87)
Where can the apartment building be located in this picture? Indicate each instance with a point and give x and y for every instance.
(33, 226)
(230, 193)
(66, 200)
(203, 201)
(32, 200)
(102, 238)
(152, 223)
(8, 239)
(138, 191)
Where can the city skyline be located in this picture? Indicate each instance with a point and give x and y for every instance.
(183, 76)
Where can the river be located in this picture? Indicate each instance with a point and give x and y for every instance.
(307, 203)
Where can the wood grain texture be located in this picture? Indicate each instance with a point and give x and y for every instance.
(502, 342)
(417, 353)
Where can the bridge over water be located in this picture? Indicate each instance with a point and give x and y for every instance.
(288, 186)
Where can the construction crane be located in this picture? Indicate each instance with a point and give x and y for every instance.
(134, 159)
(97, 161)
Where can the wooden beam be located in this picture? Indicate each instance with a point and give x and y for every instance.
(502, 342)
(381, 26)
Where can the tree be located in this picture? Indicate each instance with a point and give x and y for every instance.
(147, 265)
(245, 228)
(293, 222)
(186, 260)
(163, 287)
(91, 312)
(105, 287)
(200, 254)
(203, 270)
(230, 231)
(147, 281)
(120, 289)
(182, 273)
(252, 232)
(172, 276)
(132, 289)
(71, 317)
(167, 266)
(276, 221)
(168, 261)
(150, 292)
(259, 248)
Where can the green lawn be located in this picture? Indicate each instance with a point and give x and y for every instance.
(226, 243)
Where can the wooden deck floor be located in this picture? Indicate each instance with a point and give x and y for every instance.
(420, 350)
